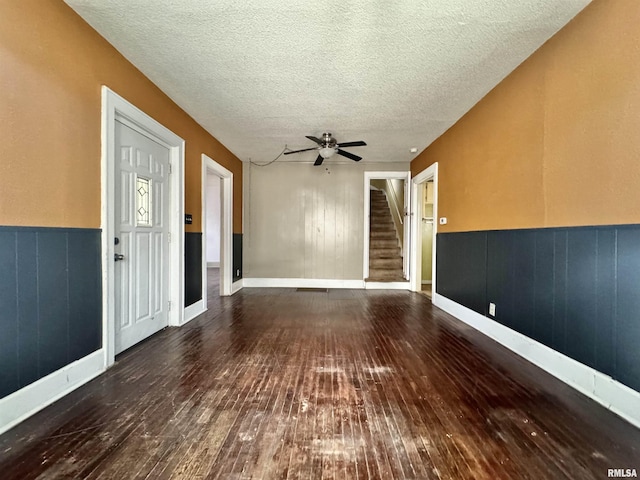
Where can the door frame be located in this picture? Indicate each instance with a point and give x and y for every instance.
(417, 192)
(382, 175)
(115, 107)
(210, 166)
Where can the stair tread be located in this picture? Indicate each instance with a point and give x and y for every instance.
(385, 261)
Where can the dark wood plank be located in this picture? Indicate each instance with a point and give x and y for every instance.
(341, 384)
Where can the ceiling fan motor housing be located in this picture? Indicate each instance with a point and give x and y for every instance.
(328, 147)
(328, 141)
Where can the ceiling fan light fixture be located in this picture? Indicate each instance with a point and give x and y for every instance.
(326, 152)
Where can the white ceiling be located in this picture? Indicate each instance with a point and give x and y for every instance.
(258, 75)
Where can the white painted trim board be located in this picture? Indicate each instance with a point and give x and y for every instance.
(29, 400)
(237, 286)
(301, 283)
(387, 285)
(193, 310)
(608, 392)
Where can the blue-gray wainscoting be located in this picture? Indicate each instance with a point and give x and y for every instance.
(576, 290)
(193, 265)
(50, 301)
(192, 268)
(237, 256)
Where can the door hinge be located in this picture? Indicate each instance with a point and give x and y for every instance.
(169, 237)
(170, 169)
(169, 305)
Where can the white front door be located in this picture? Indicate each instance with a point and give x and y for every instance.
(141, 236)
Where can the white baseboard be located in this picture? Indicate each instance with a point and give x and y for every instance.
(301, 283)
(387, 285)
(608, 392)
(31, 399)
(213, 264)
(237, 286)
(193, 310)
(426, 282)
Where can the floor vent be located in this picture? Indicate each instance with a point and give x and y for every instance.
(317, 290)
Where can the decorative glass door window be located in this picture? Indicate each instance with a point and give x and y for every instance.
(143, 202)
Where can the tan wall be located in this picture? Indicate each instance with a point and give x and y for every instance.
(557, 143)
(304, 221)
(52, 66)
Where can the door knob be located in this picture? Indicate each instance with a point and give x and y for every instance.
(118, 257)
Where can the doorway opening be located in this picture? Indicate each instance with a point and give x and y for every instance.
(424, 205)
(213, 231)
(217, 229)
(427, 226)
(386, 230)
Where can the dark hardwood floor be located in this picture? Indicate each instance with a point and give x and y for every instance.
(274, 384)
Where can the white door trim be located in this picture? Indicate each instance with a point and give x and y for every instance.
(417, 186)
(226, 227)
(114, 107)
(368, 176)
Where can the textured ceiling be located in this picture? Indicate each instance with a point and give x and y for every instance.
(262, 74)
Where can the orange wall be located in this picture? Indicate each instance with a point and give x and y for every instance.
(557, 143)
(52, 66)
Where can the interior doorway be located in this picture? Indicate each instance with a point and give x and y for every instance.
(212, 229)
(217, 227)
(424, 205)
(386, 230)
(427, 226)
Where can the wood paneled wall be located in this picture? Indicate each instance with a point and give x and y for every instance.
(303, 221)
(50, 301)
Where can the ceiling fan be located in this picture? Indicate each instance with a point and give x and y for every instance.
(327, 146)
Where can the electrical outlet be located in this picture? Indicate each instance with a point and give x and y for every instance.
(492, 309)
(443, 220)
(238, 272)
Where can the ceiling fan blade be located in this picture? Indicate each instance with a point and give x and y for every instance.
(318, 160)
(359, 143)
(298, 151)
(353, 157)
(317, 140)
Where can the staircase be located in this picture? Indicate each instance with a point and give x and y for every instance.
(385, 261)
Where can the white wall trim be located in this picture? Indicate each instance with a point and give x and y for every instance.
(25, 402)
(237, 286)
(114, 107)
(301, 283)
(381, 175)
(210, 166)
(417, 186)
(387, 285)
(613, 395)
(195, 309)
